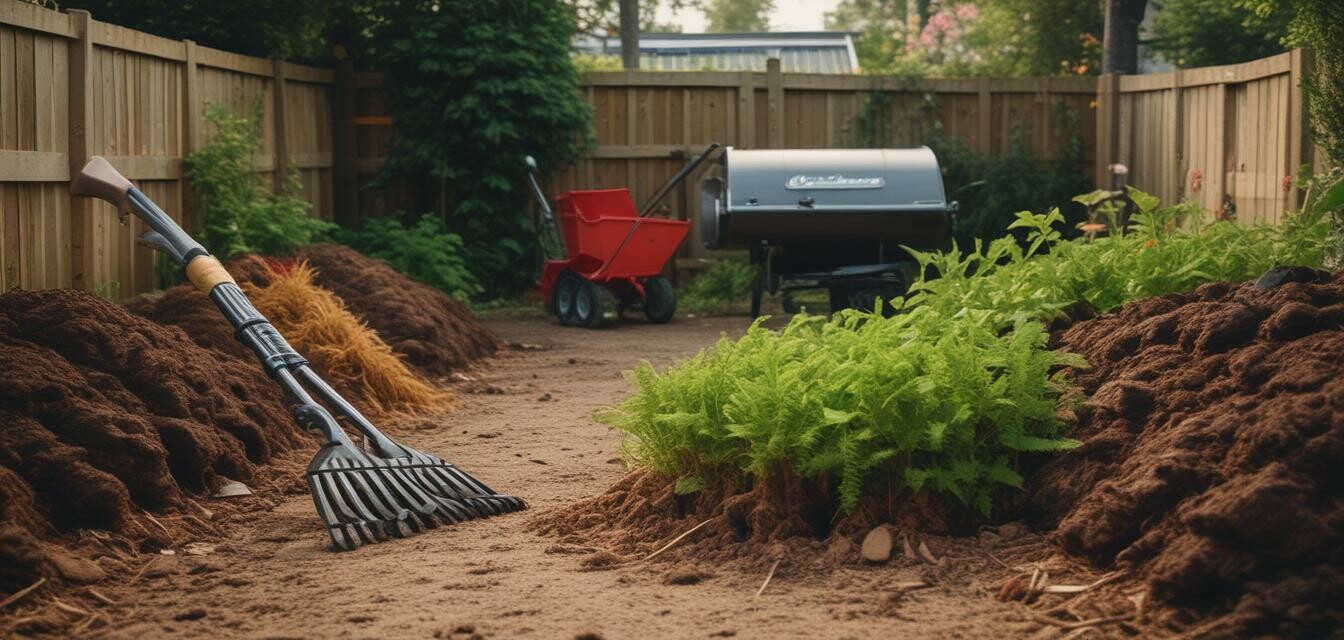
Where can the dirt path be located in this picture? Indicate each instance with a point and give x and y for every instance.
(275, 577)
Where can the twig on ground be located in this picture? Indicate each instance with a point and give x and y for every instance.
(99, 596)
(68, 608)
(156, 522)
(675, 540)
(768, 576)
(19, 595)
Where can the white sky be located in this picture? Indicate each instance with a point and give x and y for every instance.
(789, 15)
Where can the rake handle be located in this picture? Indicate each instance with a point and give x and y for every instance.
(99, 179)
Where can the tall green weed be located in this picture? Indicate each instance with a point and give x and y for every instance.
(948, 392)
(240, 214)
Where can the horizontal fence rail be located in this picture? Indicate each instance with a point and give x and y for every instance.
(1229, 138)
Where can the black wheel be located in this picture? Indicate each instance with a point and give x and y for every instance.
(838, 294)
(660, 300)
(594, 305)
(757, 292)
(567, 286)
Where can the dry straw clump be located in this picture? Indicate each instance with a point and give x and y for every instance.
(348, 352)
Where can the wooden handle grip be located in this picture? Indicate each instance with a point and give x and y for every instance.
(205, 272)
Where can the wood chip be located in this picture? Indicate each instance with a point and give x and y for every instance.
(675, 540)
(56, 602)
(19, 595)
(926, 554)
(98, 595)
(768, 576)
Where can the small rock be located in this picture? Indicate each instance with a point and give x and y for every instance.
(573, 360)
(840, 549)
(877, 545)
(1012, 530)
(190, 614)
(77, 570)
(545, 397)
(162, 566)
(989, 538)
(232, 489)
(683, 575)
(361, 619)
(536, 461)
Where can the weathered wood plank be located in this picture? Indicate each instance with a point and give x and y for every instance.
(34, 166)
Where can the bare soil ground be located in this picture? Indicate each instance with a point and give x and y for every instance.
(524, 426)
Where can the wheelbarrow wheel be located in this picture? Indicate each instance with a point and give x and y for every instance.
(594, 305)
(660, 300)
(567, 287)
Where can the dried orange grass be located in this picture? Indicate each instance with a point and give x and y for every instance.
(339, 345)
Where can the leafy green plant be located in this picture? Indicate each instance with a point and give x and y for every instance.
(423, 250)
(725, 282)
(240, 215)
(947, 393)
(475, 86)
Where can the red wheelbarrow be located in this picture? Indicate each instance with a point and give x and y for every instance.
(613, 254)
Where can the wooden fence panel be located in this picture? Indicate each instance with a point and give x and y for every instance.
(71, 87)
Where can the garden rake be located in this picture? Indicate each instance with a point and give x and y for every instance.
(363, 496)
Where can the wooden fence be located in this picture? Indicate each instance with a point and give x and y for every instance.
(1230, 137)
(71, 87)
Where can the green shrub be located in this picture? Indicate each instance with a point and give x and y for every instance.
(1012, 182)
(945, 394)
(725, 282)
(240, 215)
(474, 86)
(424, 250)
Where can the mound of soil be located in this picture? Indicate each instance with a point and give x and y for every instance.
(436, 333)
(104, 414)
(1213, 441)
(184, 307)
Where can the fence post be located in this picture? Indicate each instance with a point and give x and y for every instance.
(83, 241)
(1108, 126)
(983, 116)
(746, 110)
(1177, 137)
(281, 152)
(344, 161)
(774, 82)
(1300, 149)
(192, 218)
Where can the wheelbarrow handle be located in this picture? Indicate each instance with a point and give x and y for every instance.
(674, 180)
(536, 188)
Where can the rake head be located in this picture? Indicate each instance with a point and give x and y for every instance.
(364, 498)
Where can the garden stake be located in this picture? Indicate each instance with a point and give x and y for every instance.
(391, 490)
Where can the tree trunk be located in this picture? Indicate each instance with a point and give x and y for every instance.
(1120, 45)
(630, 34)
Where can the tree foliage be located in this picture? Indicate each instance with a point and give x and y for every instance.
(722, 16)
(1319, 24)
(1201, 33)
(290, 29)
(476, 86)
(957, 38)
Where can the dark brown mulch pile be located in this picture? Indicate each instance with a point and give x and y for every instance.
(436, 333)
(104, 414)
(1213, 456)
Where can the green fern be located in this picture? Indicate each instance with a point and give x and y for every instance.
(946, 393)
